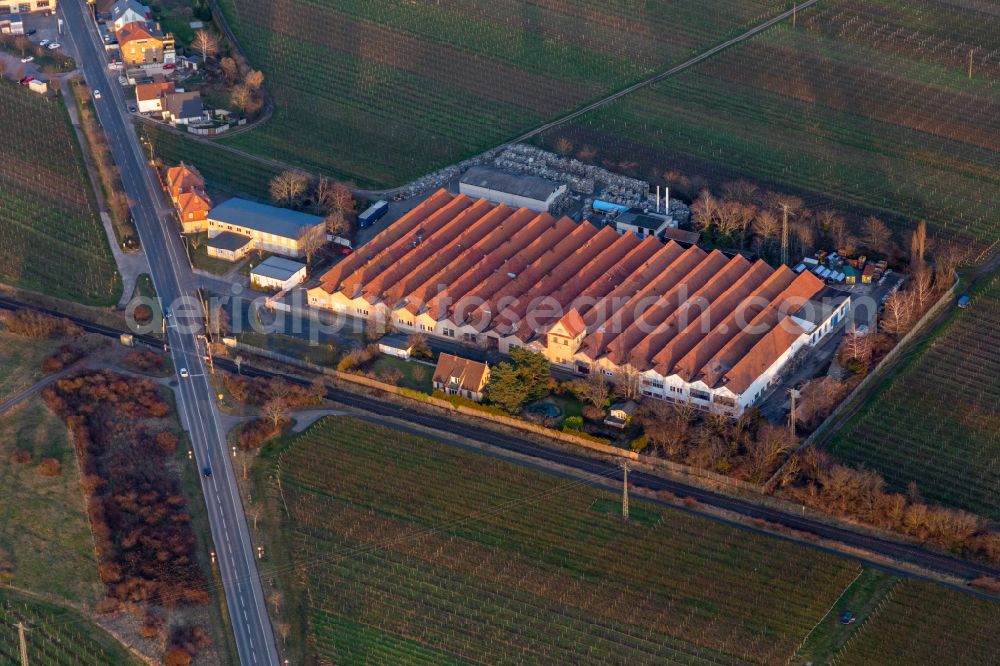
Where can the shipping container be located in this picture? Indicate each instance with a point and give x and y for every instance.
(373, 213)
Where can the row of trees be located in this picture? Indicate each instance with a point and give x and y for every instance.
(137, 509)
(322, 196)
(813, 478)
(746, 217)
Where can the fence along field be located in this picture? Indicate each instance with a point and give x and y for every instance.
(56, 636)
(381, 91)
(397, 545)
(937, 422)
(864, 104)
(51, 239)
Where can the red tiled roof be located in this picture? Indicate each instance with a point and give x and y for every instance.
(148, 91)
(470, 375)
(134, 31)
(517, 272)
(184, 177)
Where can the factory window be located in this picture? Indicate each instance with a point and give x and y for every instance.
(649, 381)
(724, 400)
(701, 395)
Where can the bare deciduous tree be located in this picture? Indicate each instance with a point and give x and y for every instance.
(206, 43)
(628, 384)
(595, 388)
(288, 186)
(336, 224)
(275, 410)
(877, 233)
(312, 242)
(923, 287)
(229, 69)
(564, 146)
(896, 316)
(704, 209)
(918, 243)
(240, 96)
(254, 79)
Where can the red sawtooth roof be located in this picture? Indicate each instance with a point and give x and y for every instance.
(681, 311)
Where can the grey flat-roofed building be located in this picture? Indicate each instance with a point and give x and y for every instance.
(278, 273)
(229, 246)
(641, 224)
(513, 189)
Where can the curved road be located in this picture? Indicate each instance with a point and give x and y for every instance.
(174, 284)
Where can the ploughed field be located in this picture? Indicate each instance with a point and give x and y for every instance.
(381, 91)
(865, 105)
(937, 422)
(51, 239)
(398, 549)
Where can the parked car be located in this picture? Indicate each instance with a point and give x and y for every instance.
(97, 94)
(963, 301)
(344, 251)
(30, 32)
(53, 46)
(27, 58)
(847, 618)
(169, 66)
(132, 108)
(45, 42)
(123, 80)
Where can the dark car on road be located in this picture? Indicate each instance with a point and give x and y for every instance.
(206, 470)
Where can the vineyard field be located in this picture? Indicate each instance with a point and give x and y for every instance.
(937, 422)
(863, 105)
(401, 545)
(380, 92)
(56, 636)
(920, 624)
(225, 174)
(52, 240)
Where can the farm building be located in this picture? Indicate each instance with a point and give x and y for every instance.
(455, 375)
(271, 229)
(511, 189)
(589, 299)
(229, 246)
(278, 273)
(641, 224)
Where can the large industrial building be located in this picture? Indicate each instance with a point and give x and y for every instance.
(514, 190)
(694, 325)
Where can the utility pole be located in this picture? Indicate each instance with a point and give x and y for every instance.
(970, 62)
(625, 491)
(784, 234)
(23, 643)
(795, 12)
(792, 416)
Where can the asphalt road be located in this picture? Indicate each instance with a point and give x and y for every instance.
(173, 280)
